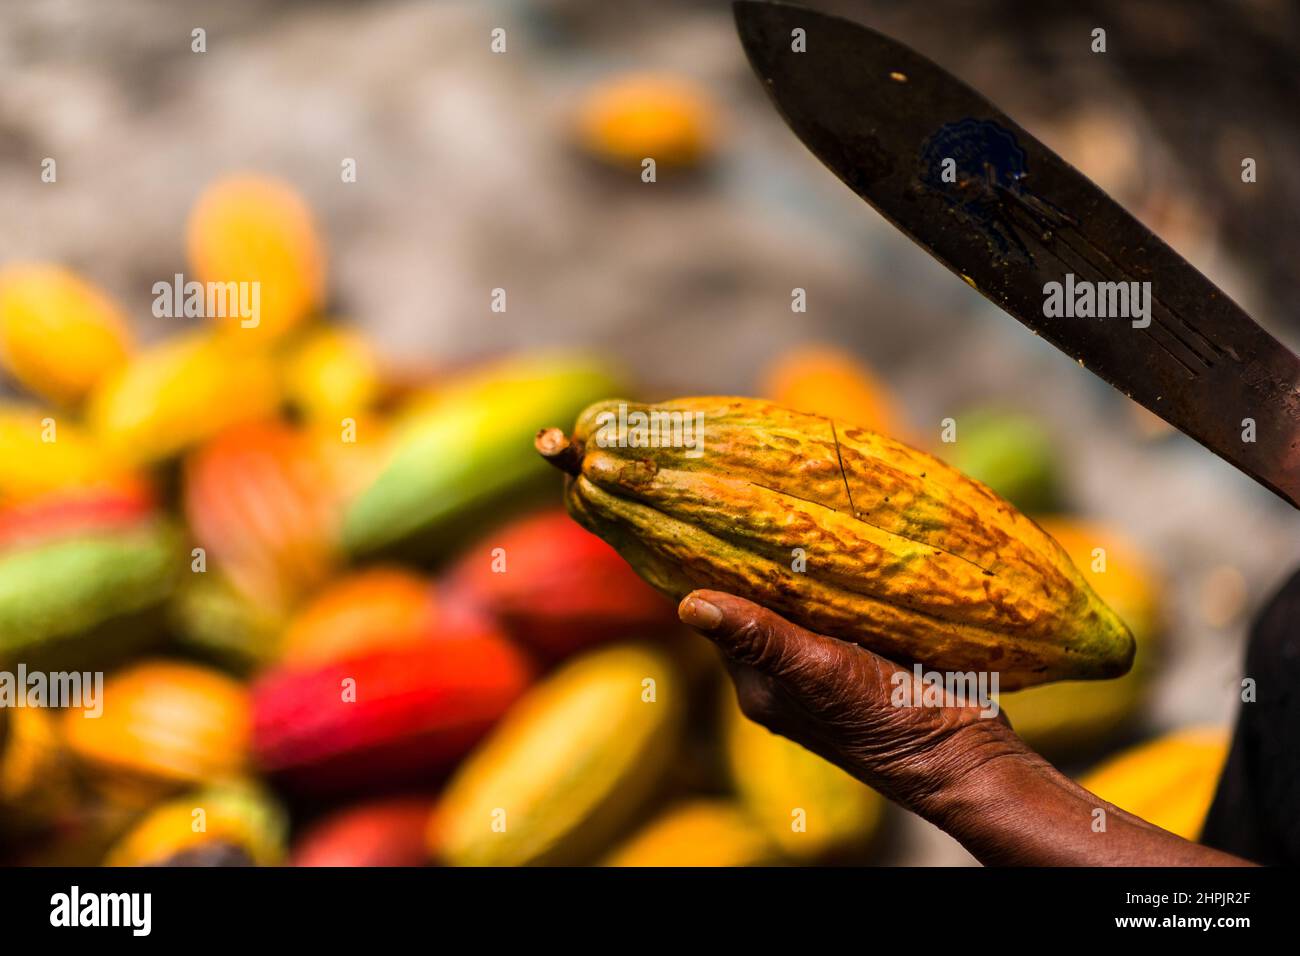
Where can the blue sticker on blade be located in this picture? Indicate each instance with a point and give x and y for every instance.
(980, 171)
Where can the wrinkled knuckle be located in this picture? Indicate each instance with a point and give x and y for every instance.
(754, 644)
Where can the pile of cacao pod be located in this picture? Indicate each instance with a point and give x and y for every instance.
(344, 619)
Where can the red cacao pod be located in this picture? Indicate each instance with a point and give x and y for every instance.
(383, 716)
(557, 587)
(257, 501)
(378, 833)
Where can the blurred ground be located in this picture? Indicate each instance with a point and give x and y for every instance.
(466, 182)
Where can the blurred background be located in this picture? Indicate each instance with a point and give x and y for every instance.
(478, 171)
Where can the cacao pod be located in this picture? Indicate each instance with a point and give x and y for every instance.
(823, 380)
(556, 587)
(568, 768)
(371, 608)
(212, 617)
(255, 501)
(700, 832)
(233, 823)
(255, 229)
(843, 531)
(809, 808)
(627, 118)
(42, 455)
(177, 393)
(380, 833)
(36, 777)
(83, 579)
(458, 457)
(332, 374)
(165, 724)
(59, 335)
(383, 716)
(1071, 716)
(1012, 453)
(1169, 782)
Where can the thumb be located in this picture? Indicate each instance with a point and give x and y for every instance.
(818, 669)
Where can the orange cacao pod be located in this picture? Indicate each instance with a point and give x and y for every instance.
(255, 499)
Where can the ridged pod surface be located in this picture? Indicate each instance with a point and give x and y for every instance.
(900, 552)
(568, 767)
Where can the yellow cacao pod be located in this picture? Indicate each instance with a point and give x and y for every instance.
(332, 374)
(233, 822)
(255, 229)
(701, 832)
(568, 767)
(1169, 781)
(59, 335)
(179, 392)
(42, 452)
(1063, 718)
(842, 530)
(166, 723)
(809, 808)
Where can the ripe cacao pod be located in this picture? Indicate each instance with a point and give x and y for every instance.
(165, 724)
(36, 776)
(59, 335)
(255, 500)
(700, 832)
(1169, 782)
(557, 587)
(177, 393)
(250, 228)
(627, 118)
(809, 808)
(1069, 717)
(822, 380)
(367, 609)
(459, 457)
(380, 833)
(332, 374)
(383, 716)
(42, 454)
(570, 766)
(228, 824)
(843, 531)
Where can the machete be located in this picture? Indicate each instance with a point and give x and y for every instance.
(1031, 234)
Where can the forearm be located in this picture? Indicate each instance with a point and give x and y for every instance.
(1015, 809)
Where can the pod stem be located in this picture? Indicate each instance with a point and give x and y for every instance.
(559, 450)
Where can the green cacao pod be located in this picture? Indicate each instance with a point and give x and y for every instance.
(842, 530)
(461, 456)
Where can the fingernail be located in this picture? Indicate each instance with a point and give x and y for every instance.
(700, 613)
